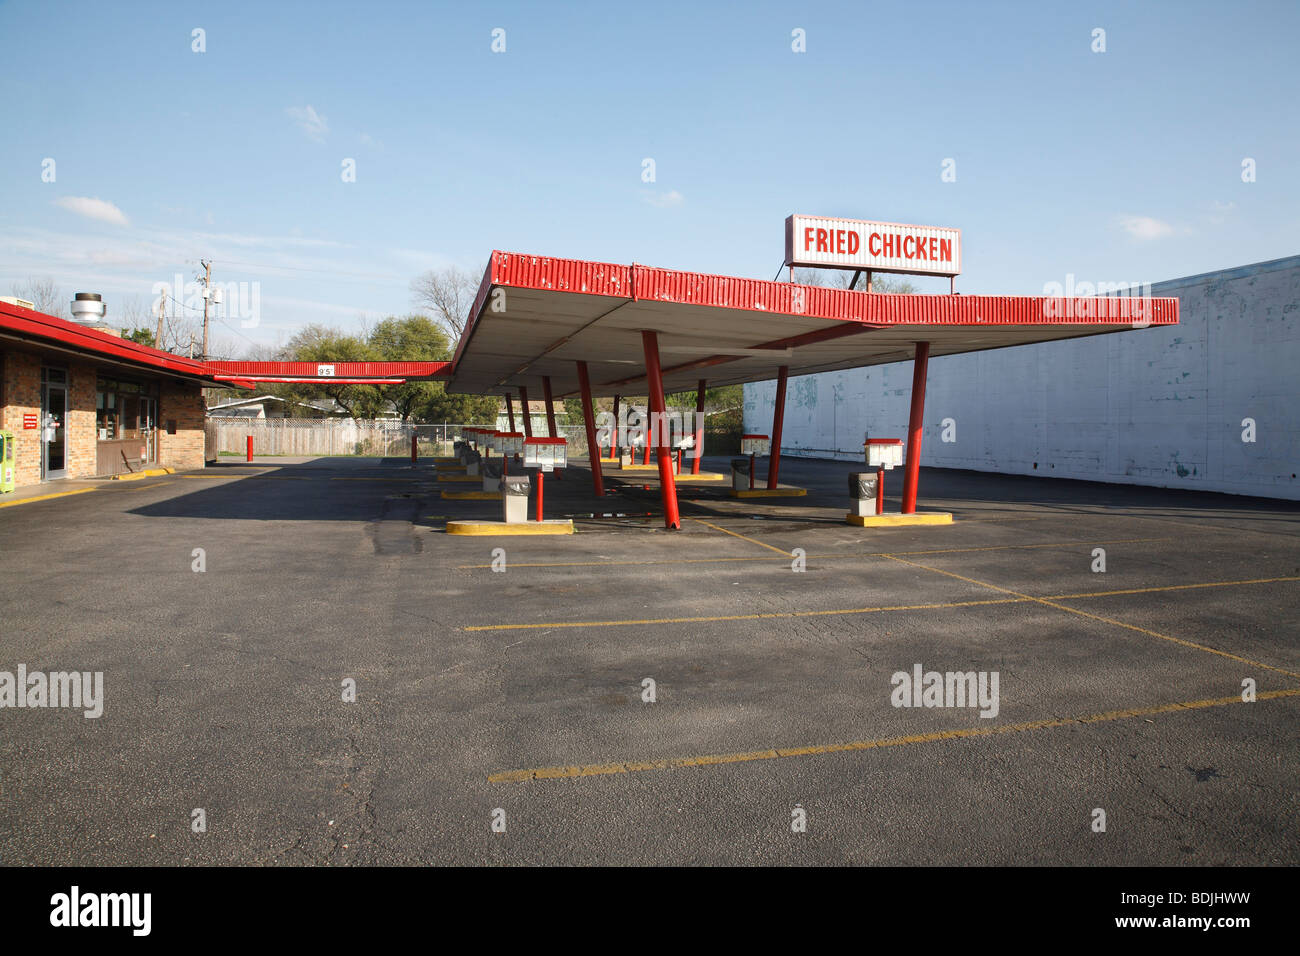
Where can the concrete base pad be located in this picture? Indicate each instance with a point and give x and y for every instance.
(780, 492)
(553, 526)
(471, 495)
(897, 520)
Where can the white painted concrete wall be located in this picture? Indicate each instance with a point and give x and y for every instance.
(1160, 407)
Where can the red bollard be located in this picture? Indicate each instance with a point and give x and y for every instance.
(413, 451)
(751, 471)
(880, 491)
(250, 447)
(540, 476)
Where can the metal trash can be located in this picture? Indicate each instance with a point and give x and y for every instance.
(461, 448)
(864, 490)
(514, 498)
(740, 474)
(491, 471)
(472, 461)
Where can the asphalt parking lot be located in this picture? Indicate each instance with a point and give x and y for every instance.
(481, 691)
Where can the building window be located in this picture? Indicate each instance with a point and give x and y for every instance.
(118, 408)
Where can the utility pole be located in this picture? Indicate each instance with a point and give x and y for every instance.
(207, 297)
(162, 309)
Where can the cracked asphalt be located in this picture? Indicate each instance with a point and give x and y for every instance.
(522, 692)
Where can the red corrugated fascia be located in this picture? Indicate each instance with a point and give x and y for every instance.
(759, 295)
(341, 369)
(38, 324)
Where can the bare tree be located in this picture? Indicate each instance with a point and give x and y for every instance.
(843, 278)
(45, 294)
(448, 294)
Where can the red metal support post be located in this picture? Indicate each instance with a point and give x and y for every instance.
(528, 415)
(699, 429)
(915, 422)
(550, 406)
(510, 410)
(778, 419)
(655, 382)
(414, 453)
(613, 435)
(589, 418)
(250, 447)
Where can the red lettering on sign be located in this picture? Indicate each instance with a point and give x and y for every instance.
(920, 248)
(807, 238)
(821, 240)
(945, 249)
(873, 244)
(855, 242)
(839, 241)
(933, 242)
(909, 242)
(889, 246)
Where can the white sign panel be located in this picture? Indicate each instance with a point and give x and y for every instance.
(325, 371)
(877, 246)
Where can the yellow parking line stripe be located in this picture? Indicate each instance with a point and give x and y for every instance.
(709, 760)
(739, 617)
(741, 537)
(820, 557)
(1098, 617)
(53, 494)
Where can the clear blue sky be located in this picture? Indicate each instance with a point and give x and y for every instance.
(1123, 165)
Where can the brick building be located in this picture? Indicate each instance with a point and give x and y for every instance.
(83, 403)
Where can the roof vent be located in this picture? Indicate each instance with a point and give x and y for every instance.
(88, 308)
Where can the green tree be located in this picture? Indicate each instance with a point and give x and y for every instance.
(140, 337)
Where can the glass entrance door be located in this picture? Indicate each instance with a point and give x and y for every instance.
(147, 436)
(54, 435)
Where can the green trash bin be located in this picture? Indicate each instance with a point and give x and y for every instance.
(6, 462)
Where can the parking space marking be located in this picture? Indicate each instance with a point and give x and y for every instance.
(740, 617)
(709, 760)
(741, 536)
(1097, 617)
(820, 557)
(1016, 598)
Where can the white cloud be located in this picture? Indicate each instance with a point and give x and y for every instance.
(664, 200)
(1145, 228)
(313, 125)
(100, 209)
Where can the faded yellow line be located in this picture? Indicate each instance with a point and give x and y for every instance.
(1097, 617)
(739, 617)
(1016, 598)
(710, 760)
(1168, 587)
(820, 557)
(53, 494)
(741, 536)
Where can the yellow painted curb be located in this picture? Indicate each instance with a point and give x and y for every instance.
(501, 528)
(151, 473)
(650, 467)
(471, 495)
(478, 478)
(450, 468)
(894, 521)
(769, 493)
(54, 494)
(702, 476)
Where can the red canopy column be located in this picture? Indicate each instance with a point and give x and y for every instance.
(528, 415)
(912, 469)
(655, 385)
(550, 406)
(510, 410)
(613, 435)
(778, 419)
(589, 418)
(699, 429)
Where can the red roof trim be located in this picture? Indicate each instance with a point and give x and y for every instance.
(544, 273)
(15, 318)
